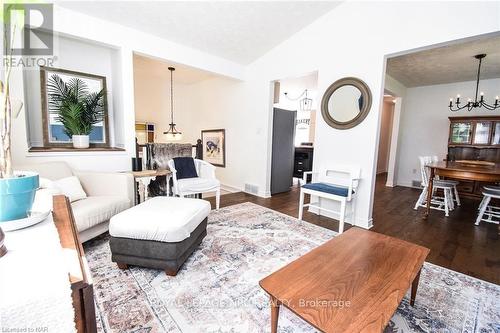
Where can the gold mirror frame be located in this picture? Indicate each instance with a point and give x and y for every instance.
(367, 103)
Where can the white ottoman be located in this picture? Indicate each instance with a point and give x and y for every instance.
(161, 232)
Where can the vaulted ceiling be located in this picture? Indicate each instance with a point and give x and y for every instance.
(150, 67)
(239, 31)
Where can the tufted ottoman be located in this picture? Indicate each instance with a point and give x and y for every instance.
(161, 232)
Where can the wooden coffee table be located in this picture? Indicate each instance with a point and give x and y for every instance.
(352, 283)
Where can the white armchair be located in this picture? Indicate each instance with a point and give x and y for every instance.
(338, 183)
(205, 182)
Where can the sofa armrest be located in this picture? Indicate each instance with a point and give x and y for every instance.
(101, 183)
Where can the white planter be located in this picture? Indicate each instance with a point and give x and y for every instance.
(80, 141)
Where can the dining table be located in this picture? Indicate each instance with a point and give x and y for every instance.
(462, 171)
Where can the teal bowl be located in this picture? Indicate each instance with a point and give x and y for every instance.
(17, 195)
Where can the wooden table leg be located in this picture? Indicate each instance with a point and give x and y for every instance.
(122, 265)
(429, 193)
(275, 311)
(414, 287)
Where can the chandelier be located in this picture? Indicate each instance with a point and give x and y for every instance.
(476, 103)
(305, 104)
(172, 133)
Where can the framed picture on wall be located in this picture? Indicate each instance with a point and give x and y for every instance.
(58, 84)
(214, 146)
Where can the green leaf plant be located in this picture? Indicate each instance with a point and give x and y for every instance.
(76, 108)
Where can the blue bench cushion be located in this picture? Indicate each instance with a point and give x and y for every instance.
(327, 188)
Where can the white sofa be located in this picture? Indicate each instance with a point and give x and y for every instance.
(107, 195)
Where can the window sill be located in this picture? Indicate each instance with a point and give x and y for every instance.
(63, 151)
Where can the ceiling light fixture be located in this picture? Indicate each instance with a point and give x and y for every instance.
(305, 104)
(476, 103)
(172, 133)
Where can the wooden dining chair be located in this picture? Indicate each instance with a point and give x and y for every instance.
(487, 212)
(451, 182)
(444, 203)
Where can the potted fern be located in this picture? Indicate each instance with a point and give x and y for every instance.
(17, 188)
(75, 107)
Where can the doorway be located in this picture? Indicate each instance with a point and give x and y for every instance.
(386, 122)
(293, 130)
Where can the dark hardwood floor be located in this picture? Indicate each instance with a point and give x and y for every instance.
(455, 242)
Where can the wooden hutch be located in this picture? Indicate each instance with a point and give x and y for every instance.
(474, 138)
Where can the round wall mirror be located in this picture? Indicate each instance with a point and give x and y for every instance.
(346, 103)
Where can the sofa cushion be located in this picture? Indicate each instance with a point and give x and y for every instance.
(163, 219)
(71, 187)
(49, 170)
(93, 210)
(197, 185)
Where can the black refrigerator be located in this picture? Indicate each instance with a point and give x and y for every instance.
(283, 149)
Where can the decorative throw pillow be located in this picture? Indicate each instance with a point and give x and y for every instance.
(46, 183)
(44, 195)
(185, 167)
(71, 187)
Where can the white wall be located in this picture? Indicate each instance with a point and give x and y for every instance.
(74, 55)
(125, 41)
(352, 40)
(424, 122)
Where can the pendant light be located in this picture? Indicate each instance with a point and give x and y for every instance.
(473, 104)
(305, 104)
(172, 134)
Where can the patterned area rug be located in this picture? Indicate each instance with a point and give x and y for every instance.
(217, 289)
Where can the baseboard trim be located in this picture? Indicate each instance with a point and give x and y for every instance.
(234, 189)
(406, 184)
(263, 194)
(230, 189)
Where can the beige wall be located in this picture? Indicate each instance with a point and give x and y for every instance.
(385, 136)
(219, 104)
(198, 106)
(152, 104)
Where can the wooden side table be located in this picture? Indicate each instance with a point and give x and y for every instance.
(142, 179)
